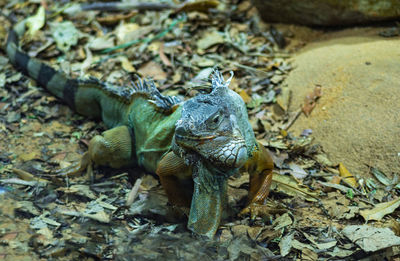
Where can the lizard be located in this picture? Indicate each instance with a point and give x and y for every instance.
(193, 146)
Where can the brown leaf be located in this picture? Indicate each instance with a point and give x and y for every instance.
(199, 6)
(347, 177)
(246, 98)
(115, 18)
(163, 57)
(380, 210)
(153, 70)
(310, 100)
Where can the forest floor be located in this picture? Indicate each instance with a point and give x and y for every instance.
(316, 210)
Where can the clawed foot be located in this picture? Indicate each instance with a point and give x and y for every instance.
(78, 167)
(262, 210)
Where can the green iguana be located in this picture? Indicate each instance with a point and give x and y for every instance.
(193, 146)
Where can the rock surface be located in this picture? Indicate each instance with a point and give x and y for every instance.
(357, 119)
(328, 12)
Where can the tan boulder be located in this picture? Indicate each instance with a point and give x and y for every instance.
(328, 12)
(357, 119)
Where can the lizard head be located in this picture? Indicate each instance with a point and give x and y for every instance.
(214, 126)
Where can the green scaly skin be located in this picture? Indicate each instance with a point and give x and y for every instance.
(210, 133)
(152, 132)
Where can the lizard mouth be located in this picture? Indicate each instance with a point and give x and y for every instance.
(194, 138)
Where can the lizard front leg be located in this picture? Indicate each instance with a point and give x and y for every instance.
(176, 179)
(113, 148)
(259, 167)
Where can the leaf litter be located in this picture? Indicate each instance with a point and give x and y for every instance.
(316, 210)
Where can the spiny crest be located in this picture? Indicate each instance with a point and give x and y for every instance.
(148, 86)
(218, 82)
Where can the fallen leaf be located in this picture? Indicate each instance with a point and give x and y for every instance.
(65, 35)
(310, 100)
(246, 98)
(199, 6)
(285, 245)
(282, 221)
(82, 190)
(126, 64)
(115, 18)
(35, 22)
(103, 42)
(163, 57)
(381, 177)
(289, 186)
(100, 216)
(380, 210)
(308, 255)
(335, 179)
(371, 239)
(153, 70)
(209, 39)
(297, 171)
(348, 178)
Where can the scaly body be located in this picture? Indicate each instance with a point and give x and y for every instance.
(194, 146)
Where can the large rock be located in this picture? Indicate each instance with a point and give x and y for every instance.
(328, 12)
(357, 119)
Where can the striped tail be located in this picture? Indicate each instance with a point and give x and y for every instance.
(89, 97)
(55, 82)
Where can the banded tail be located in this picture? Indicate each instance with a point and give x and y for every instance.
(89, 97)
(55, 82)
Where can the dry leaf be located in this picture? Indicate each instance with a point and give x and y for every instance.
(380, 210)
(285, 245)
(199, 6)
(35, 22)
(371, 239)
(348, 178)
(126, 64)
(163, 57)
(246, 98)
(289, 186)
(311, 99)
(297, 171)
(153, 70)
(209, 39)
(115, 18)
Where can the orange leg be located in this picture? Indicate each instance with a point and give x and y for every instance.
(260, 167)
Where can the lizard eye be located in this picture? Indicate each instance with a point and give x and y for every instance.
(216, 119)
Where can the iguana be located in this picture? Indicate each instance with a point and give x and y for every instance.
(193, 146)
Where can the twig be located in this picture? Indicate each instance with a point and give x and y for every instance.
(292, 120)
(133, 193)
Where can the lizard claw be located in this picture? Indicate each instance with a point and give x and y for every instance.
(78, 167)
(257, 210)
